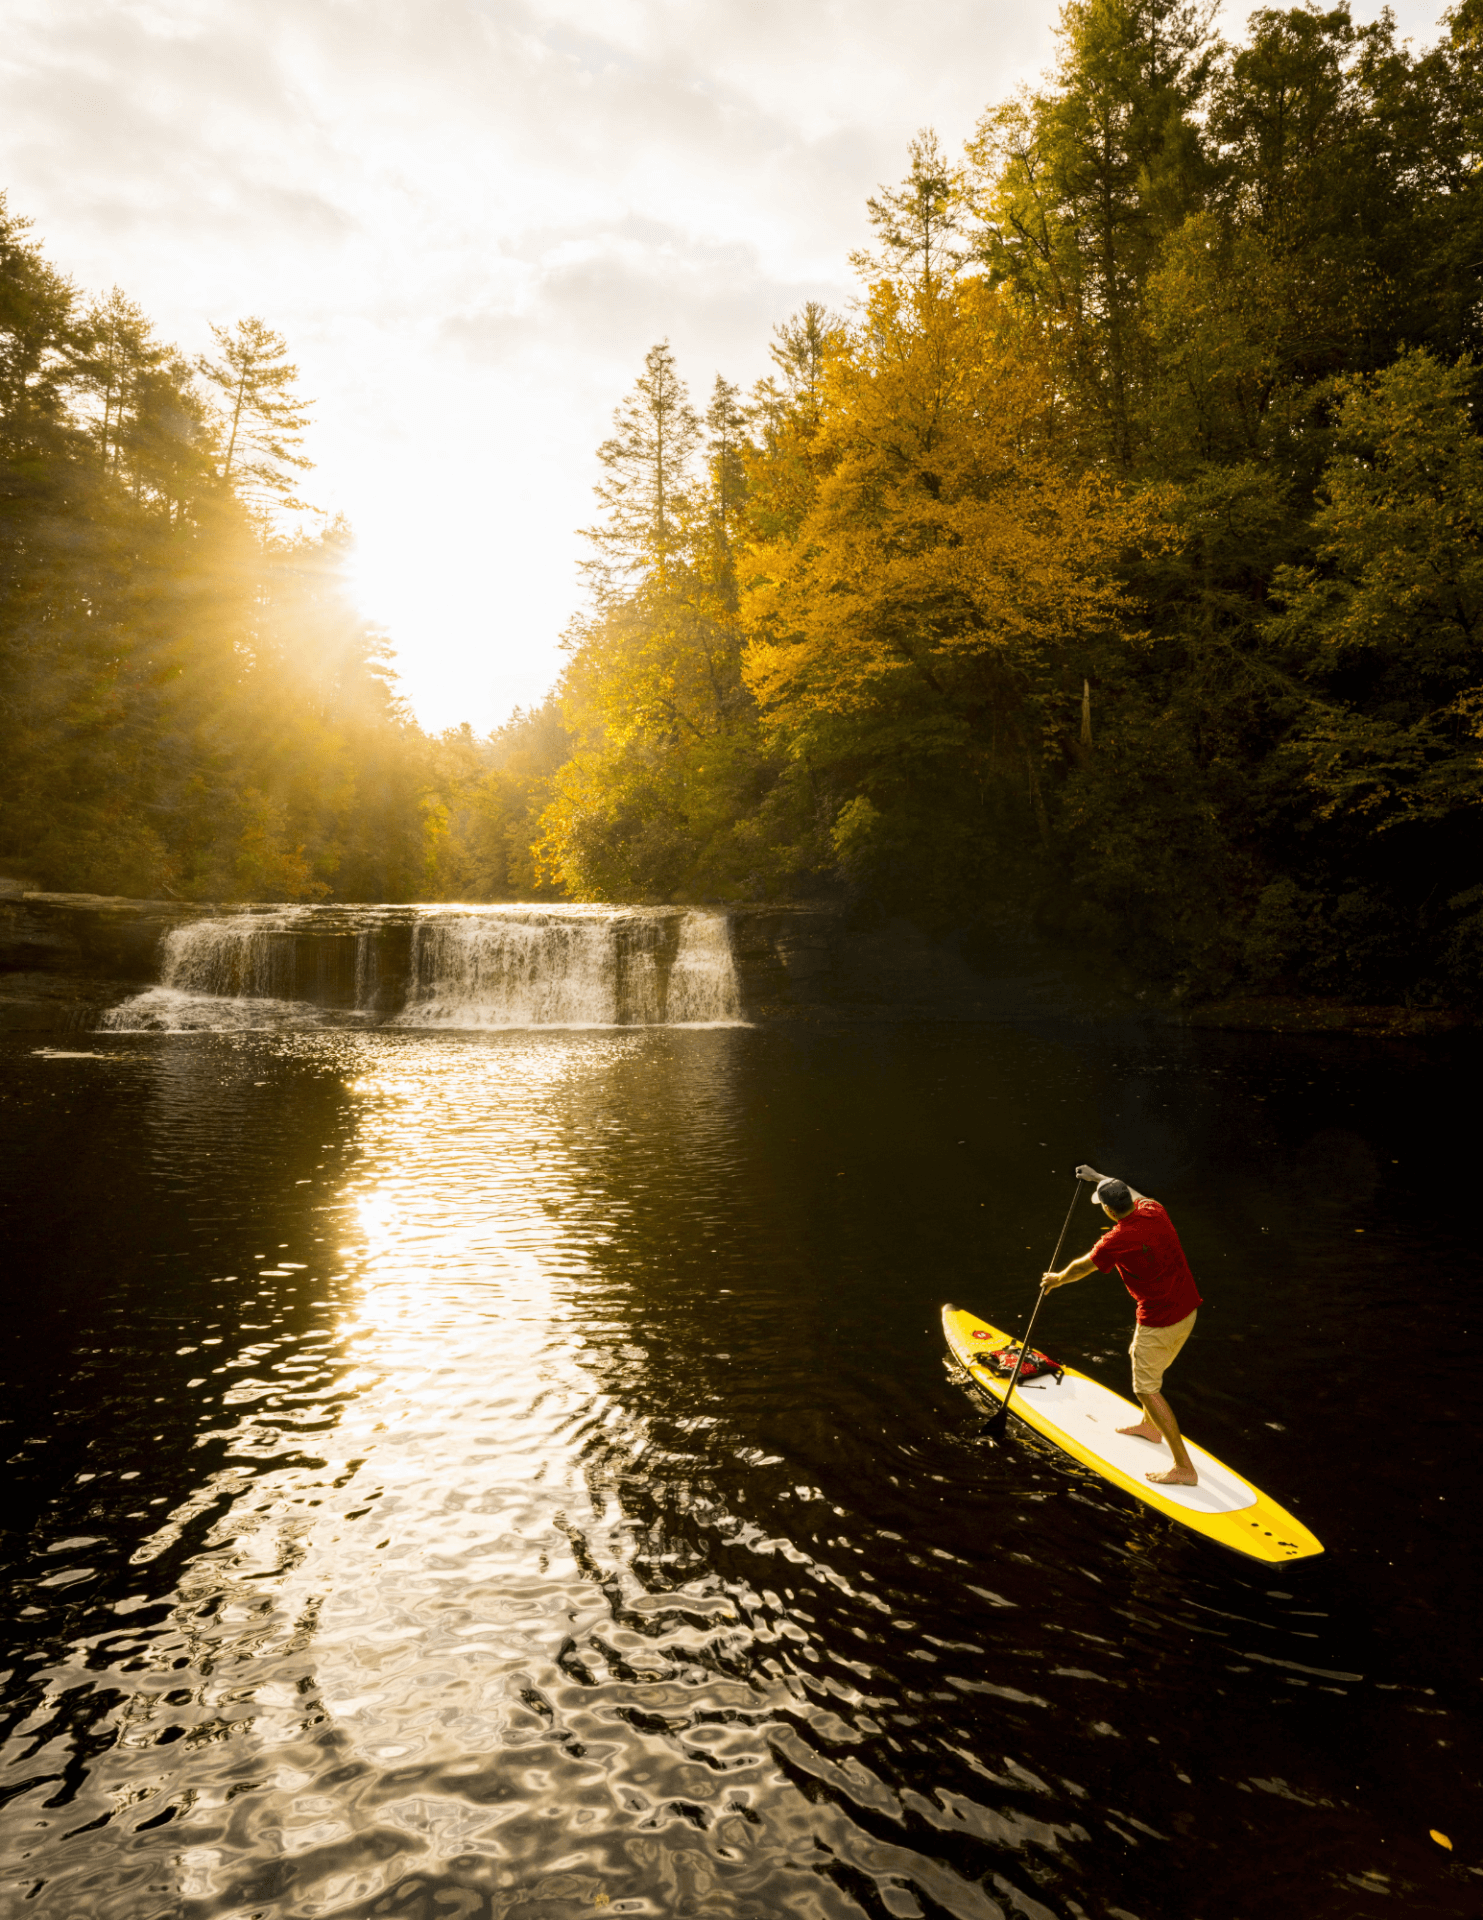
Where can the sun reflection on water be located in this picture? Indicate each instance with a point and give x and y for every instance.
(562, 1511)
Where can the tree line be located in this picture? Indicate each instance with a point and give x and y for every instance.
(1115, 562)
(190, 704)
(1112, 564)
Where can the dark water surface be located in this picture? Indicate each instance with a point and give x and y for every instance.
(516, 1475)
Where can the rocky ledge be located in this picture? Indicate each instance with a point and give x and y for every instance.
(66, 957)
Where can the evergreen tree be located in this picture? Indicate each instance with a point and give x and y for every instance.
(918, 225)
(1078, 189)
(726, 425)
(660, 797)
(1130, 579)
(188, 702)
(119, 351)
(37, 338)
(646, 483)
(787, 408)
(262, 417)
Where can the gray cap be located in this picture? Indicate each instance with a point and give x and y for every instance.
(1116, 1194)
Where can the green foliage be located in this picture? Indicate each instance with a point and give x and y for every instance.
(1387, 623)
(672, 791)
(918, 226)
(645, 491)
(1121, 561)
(493, 793)
(262, 417)
(189, 704)
(1078, 188)
(1118, 562)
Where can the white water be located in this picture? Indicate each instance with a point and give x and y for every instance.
(490, 970)
(169, 1010)
(244, 956)
(703, 989)
(442, 967)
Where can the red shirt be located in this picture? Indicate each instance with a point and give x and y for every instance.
(1150, 1263)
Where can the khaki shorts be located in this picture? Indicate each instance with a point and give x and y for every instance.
(1155, 1348)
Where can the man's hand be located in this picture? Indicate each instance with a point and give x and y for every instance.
(1090, 1173)
(1050, 1281)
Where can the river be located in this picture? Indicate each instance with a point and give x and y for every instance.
(514, 1473)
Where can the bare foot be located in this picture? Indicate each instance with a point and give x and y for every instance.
(1176, 1477)
(1145, 1430)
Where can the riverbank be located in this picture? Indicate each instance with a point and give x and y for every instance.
(1278, 1013)
(66, 959)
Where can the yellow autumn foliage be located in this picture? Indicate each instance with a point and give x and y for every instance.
(951, 539)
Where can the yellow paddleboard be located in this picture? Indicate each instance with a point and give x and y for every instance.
(1082, 1417)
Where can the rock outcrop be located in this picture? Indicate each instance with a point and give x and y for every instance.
(66, 957)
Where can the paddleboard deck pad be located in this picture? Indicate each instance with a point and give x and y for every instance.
(1082, 1417)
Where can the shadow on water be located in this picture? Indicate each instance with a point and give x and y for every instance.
(516, 1474)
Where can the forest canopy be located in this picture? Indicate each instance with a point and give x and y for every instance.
(190, 704)
(1111, 565)
(1114, 563)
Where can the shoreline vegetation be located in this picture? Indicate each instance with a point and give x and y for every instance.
(1114, 568)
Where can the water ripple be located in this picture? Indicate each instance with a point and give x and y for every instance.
(496, 1475)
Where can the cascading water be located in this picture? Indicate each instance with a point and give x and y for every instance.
(453, 967)
(498, 971)
(703, 990)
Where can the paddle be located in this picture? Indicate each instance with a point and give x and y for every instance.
(1000, 1420)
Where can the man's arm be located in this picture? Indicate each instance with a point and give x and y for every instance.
(1078, 1270)
(1091, 1174)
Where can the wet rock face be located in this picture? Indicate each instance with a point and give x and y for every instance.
(797, 961)
(52, 1002)
(65, 957)
(31, 941)
(92, 933)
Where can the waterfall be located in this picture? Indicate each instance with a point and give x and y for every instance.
(453, 968)
(703, 987)
(241, 971)
(245, 957)
(490, 970)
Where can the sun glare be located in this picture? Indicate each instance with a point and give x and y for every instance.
(475, 636)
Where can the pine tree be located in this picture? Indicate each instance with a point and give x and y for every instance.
(726, 423)
(263, 418)
(647, 479)
(1079, 188)
(918, 225)
(787, 409)
(119, 350)
(37, 340)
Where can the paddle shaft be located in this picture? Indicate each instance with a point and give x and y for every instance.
(1001, 1419)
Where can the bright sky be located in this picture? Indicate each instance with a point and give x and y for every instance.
(471, 218)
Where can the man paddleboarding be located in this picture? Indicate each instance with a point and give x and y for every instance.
(1143, 1247)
